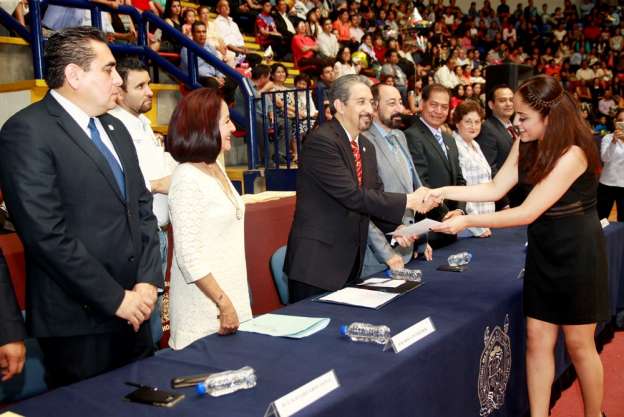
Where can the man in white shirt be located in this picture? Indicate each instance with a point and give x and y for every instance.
(327, 41)
(585, 73)
(229, 30)
(611, 184)
(133, 101)
(446, 76)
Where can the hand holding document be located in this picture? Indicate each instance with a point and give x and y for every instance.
(416, 229)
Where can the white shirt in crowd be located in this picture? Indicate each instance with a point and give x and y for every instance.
(154, 162)
(328, 44)
(446, 77)
(612, 154)
(229, 31)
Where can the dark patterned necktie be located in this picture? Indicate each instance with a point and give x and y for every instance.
(358, 161)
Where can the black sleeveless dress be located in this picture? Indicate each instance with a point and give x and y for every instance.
(565, 280)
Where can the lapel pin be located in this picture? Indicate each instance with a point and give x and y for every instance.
(110, 127)
(363, 148)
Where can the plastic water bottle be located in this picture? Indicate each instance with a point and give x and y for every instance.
(459, 259)
(364, 332)
(405, 274)
(228, 382)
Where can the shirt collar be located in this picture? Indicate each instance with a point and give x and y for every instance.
(141, 120)
(506, 124)
(79, 115)
(433, 130)
(348, 134)
(384, 133)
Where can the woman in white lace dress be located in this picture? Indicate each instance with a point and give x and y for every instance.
(209, 291)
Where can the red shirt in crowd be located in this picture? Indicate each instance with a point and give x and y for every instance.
(343, 29)
(297, 44)
(142, 5)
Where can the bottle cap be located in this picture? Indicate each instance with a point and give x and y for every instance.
(343, 330)
(201, 389)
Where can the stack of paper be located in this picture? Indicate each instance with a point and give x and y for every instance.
(281, 325)
(359, 297)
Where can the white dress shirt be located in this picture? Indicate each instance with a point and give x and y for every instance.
(229, 31)
(82, 119)
(154, 162)
(446, 77)
(328, 44)
(612, 154)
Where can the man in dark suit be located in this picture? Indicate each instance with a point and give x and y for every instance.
(497, 134)
(12, 330)
(285, 23)
(338, 192)
(435, 154)
(72, 183)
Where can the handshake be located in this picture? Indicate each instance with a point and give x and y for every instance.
(424, 199)
(137, 304)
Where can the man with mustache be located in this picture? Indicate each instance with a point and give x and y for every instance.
(398, 174)
(497, 134)
(338, 193)
(435, 154)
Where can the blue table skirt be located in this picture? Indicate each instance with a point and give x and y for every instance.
(438, 376)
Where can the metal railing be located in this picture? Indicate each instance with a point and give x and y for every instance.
(190, 78)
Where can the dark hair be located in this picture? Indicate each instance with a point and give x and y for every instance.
(302, 77)
(259, 71)
(465, 107)
(167, 11)
(339, 55)
(432, 88)
(126, 65)
(492, 92)
(69, 46)
(196, 24)
(194, 134)
(389, 52)
(277, 66)
(565, 128)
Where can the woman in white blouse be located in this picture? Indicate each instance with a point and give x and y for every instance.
(208, 291)
(611, 184)
(467, 118)
(344, 65)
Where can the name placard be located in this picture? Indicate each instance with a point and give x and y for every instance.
(303, 396)
(411, 335)
(604, 223)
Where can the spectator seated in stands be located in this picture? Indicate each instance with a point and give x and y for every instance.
(344, 65)
(285, 21)
(342, 26)
(446, 75)
(245, 14)
(267, 34)
(304, 49)
(214, 38)
(16, 8)
(229, 31)
(189, 16)
(172, 16)
(392, 68)
(204, 68)
(327, 41)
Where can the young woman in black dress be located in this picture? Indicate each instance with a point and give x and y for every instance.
(565, 283)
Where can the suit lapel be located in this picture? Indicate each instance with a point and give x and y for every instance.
(433, 142)
(345, 147)
(383, 147)
(80, 138)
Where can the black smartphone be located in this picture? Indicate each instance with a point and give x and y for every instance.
(449, 268)
(154, 396)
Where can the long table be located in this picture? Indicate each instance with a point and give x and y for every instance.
(438, 376)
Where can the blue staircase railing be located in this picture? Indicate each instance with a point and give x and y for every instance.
(190, 78)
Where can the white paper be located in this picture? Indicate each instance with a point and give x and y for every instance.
(305, 395)
(412, 335)
(281, 325)
(604, 223)
(383, 282)
(416, 229)
(359, 297)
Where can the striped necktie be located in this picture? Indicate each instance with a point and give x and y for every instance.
(358, 161)
(438, 137)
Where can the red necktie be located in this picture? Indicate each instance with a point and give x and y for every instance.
(512, 132)
(358, 161)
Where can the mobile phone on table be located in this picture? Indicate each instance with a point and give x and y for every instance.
(154, 396)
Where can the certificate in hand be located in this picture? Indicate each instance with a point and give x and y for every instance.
(415, 229)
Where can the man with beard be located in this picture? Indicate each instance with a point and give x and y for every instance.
(73, 185)
(497, 133)
(398, 174)
(435, 154)
(133, 101)
(338, 193)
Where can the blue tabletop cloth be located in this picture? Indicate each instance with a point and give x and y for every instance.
(437, 376)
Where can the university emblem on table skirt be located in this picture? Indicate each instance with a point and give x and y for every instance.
(494, 368)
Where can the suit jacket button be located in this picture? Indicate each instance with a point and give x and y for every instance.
(131, 259)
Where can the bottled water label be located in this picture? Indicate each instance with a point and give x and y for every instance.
(227, 382)
(414, 275)
(365, 332)
(459, 259)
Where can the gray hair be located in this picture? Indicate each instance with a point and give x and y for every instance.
(341, 88)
